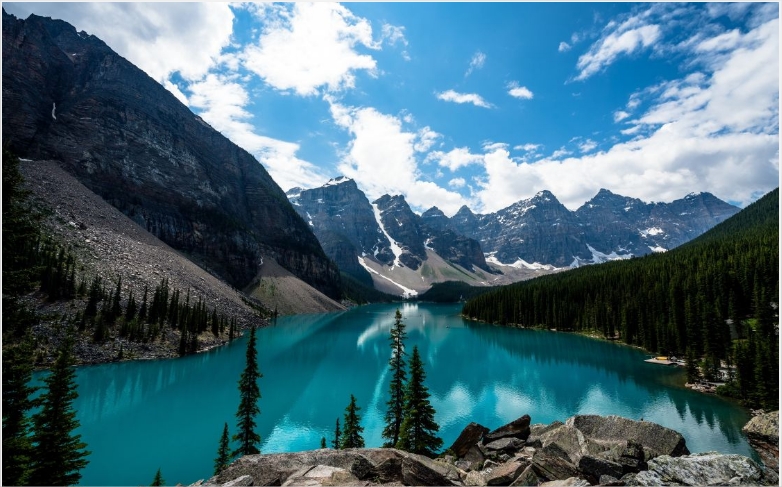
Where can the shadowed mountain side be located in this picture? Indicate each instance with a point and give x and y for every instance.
(68, 97)
(279, 290)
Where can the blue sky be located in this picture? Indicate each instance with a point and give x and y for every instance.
(480, 104)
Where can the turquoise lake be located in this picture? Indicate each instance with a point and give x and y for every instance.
(137, 417)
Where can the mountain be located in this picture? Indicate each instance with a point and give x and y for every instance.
(68, 97)
(540, 231)
(372, 241)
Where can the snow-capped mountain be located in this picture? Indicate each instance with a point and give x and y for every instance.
(385, 244)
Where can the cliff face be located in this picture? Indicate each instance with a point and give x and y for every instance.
(68, 97)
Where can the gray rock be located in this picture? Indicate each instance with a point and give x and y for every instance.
(518, 428)
(490, 465)
(566, 440)
(505, 444)
(763, 434)
(420, 470)
(475, 457)
(593, 468)
(464, 465)
(551, 467)
(656, 440)
(527, 477)
(710, 468)
(469, 436)
(474, 478)
(241, 481)
(609, 480)
(571, 482)
(321, 475)
(506, 473)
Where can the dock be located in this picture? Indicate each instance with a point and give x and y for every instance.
(666, 361)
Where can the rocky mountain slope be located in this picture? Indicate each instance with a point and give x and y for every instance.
(68, 97)
(540, 230)
(584, 450)
(384, 243)
(108, 244)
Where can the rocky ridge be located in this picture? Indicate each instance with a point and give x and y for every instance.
(584, 450)
(68, 97)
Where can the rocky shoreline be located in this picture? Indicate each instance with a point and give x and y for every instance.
(584, 450)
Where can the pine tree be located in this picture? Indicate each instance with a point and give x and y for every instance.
(351, 433)
(58, 453)
(396, 403)
(323, 442)
(158, 480)
(17, 447)
(248, 404)
(336, 443)
(223, 451)
(418, 433)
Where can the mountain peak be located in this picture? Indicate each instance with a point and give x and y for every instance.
(433, 212)
(338, 180)
(464, 210)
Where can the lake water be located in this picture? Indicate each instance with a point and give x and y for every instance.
(137, 417)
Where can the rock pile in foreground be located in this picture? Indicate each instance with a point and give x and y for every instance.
(584, 450)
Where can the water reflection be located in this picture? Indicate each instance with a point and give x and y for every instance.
(139, 416)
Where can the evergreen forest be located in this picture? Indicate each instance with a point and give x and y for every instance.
(712, 301)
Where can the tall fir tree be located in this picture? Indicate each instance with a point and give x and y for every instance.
(158, 480)
(396, 389)
(418, 432)
(323, 442)
(337, 443)
(17, 447)
(223, 451)
(59, 454)
(249, 393)
(351, 432)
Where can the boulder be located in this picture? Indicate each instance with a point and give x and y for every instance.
(763, 434)
(505, 444)
(609, 480)
(609, 430)
(474, 478)
(240, 481)
(322, 475)
(475, 457)
(506, 473)
(571, 482)
(710, 468)
(537, 430)
(421, 470)
(518, 428)
(464, 465)
(527, 477)
(593, 468)
(469, 436)
(567, 439)
(552, 467)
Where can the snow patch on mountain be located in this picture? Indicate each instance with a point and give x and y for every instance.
(519, 264)
(406, 291)
(395, 248)
(653, 231)
(657, 249)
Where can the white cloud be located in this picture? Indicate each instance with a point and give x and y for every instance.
(587, 146)
(307, 46)
(715, 130)
(381, 158)
(426, 139)
(455, 158)
(563, 47)
(477, 61)
(455, 97)
(611, 46)
(620, 115)
(528, 147)
(393, 34)
(158, 39)
(457, 183)
(221, 103)
(517, 91)
(561, 152)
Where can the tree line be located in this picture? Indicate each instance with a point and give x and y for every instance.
(712, 301)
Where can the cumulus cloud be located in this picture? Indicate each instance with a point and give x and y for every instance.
(477, 61)
(714, 130)
(221, 102)
(527, 147)
(456, 97)
(381, 158)
(308, 46)
(426, 138)
(456, 158)
(517, 91)
(563, 47)
(620, 115)
(158, 39)
(457, 183)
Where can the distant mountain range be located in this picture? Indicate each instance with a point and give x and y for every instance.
(384, 241)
